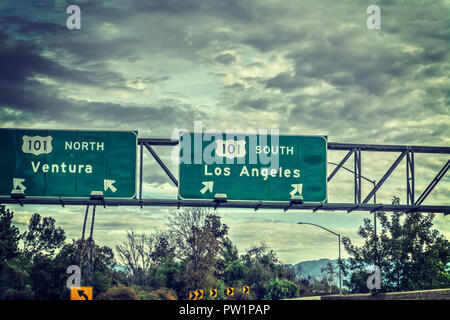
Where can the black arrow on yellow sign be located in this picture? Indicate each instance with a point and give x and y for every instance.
(246, 289)
(213, 293)
(193, 295)
(196, 295)
(81, 294)
(230, 291)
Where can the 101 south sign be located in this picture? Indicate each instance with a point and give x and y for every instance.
(252, 167)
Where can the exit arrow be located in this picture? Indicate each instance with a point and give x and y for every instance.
(208, 185)
(17, 184)
(81, 294)
(108, 184)
(297, 188)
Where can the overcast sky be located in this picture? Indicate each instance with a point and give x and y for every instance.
(301, 66)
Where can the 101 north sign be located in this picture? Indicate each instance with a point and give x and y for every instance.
(58, 163)
(252, 167)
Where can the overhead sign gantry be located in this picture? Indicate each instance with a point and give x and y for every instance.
(27, 165)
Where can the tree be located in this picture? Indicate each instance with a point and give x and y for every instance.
(135, 254)
(39, 270)
(163, 247)
(9, 238)
(167, 274)
(104, 273)
(42, 236)
(200, 236)
(358, 281)
(261, 265)
(140, 253)
(280, 289)
(229, 253)
(410, 254)
(234, 272)
(330, 274)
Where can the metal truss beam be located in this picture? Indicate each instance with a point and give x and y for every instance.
(358, 205)
(229, 204)
(387, 148)
(331, 146)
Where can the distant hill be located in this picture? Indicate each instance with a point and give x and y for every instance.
(312, 268)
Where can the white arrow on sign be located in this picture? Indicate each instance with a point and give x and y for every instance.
(109, 184)
(208, 185)
(297, 188)
(17, 184)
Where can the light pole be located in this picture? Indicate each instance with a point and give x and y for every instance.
(339, 239)
(374, 182)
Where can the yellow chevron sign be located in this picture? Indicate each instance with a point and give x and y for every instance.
(196, 295)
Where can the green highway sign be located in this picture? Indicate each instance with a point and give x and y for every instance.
(259, 167)
(59, 163)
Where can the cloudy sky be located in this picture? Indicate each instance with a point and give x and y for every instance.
(301, 66)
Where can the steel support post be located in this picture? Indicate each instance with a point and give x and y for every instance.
(410, 178)
(357, 171)
(141, 169)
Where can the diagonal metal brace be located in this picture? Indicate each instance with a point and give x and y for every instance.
(161, 163)
(433, 183)
(340, 165)
(386, 175)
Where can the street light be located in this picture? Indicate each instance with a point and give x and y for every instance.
(374, 182)
(339, 237)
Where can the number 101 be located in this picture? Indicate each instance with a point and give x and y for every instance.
(37, 144)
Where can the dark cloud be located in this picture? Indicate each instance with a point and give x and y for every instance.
(288, 83)
(225, 58)
(256, 104)
(21, 60)
(35, 101)
(30, 28)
